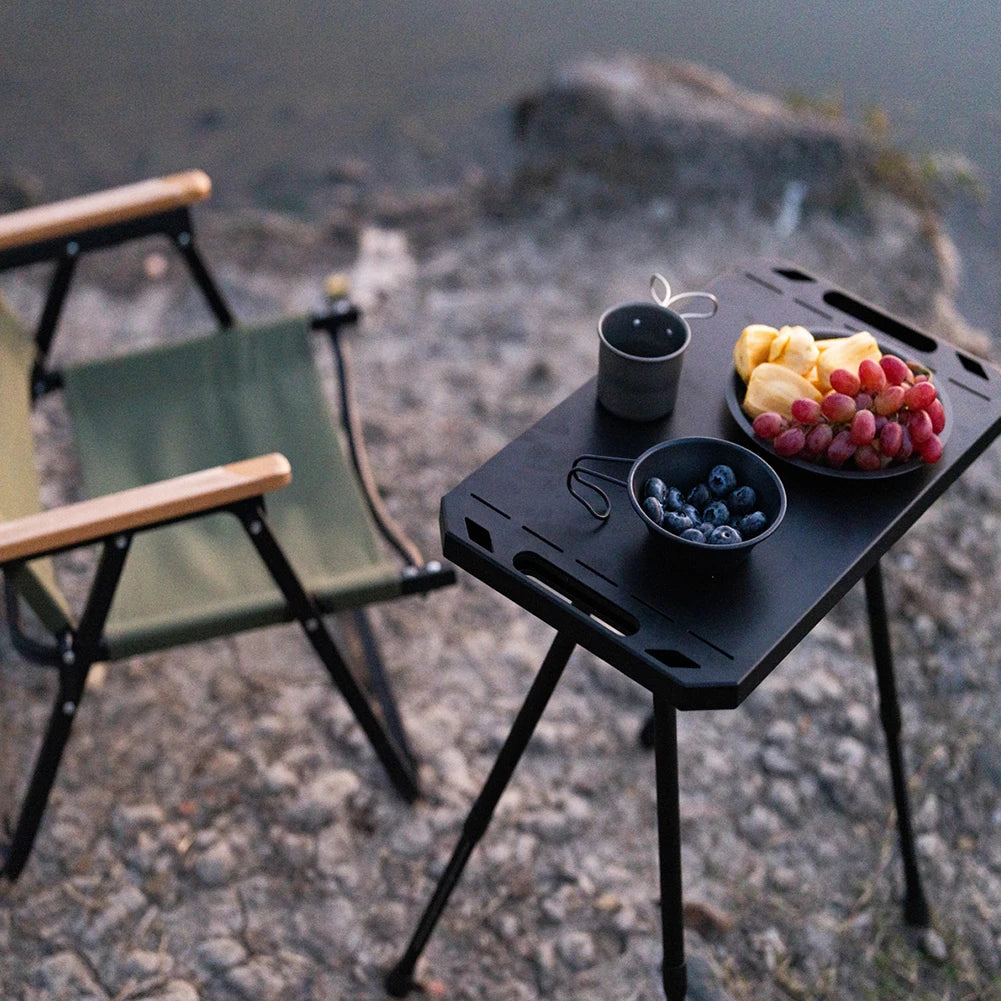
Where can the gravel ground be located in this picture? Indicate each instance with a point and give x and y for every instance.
(220, 829)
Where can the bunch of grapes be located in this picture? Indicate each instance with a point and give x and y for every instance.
(888, 412)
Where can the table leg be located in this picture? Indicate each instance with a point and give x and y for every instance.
(665, 742)
(916, 910)
(399, 980)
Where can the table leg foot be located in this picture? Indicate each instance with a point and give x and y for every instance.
(400, 981)
(675, 980)
(917, 913)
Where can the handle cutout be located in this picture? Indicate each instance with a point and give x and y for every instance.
(674, 658)
(877, 320)
(576, 593)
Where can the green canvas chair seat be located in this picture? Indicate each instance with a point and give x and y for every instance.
(178, 408)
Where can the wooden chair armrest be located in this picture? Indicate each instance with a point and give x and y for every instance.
(88, 521)
(102, 208)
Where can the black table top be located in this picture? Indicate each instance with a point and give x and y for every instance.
(705, 642)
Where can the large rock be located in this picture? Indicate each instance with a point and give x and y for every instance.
(610, 134)
(675, 128)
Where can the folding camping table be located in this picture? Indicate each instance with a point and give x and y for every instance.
(699, 643)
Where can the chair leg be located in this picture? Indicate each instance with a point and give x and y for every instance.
(362, 628)
(400, 980)
(79, 652)
(916, 910)
(398, 766)
(36, 797)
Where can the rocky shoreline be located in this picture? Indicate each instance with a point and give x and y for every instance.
(220, 830)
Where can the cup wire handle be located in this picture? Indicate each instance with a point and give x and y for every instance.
(577, 474)
(667, 300)
(708, 296)
(664, 298)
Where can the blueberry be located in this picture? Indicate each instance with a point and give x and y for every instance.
(752, 524)
(693, 535)
(675, 499)
(693, 513)
(716, 513)
(742, 500)
(653, 510)
(724, 535)
(722, 480)
(655, 487)
(699, 496)
(706, 528)
(676, 522)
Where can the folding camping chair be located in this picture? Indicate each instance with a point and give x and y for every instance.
(174, 441)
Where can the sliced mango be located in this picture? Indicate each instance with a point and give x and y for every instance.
(826, 342)
(845, 352)
(779, 343)
(774, 387)
(752, 348)
(795, 348)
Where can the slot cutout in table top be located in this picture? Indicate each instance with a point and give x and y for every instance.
(479, 535)
(794, 274)
(972, 365)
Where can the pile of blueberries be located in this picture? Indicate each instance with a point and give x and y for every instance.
(716, 511)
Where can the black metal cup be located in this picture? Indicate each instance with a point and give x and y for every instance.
(641, 349)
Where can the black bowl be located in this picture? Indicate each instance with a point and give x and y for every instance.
(684, 462)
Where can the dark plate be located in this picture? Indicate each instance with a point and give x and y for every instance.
(735, 389)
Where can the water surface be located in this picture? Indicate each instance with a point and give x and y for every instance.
(272, 99)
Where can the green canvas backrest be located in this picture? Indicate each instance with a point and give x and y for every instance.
(19, 482)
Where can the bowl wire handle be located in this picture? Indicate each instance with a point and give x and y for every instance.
(577, 474)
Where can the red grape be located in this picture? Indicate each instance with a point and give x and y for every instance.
(896, 370)
(863, 400)
(931, 449)
(819, 437)
(769, 424)
(789, 442)
(937, 414)
(871, 376)
(890, 439)
(889, 400)
(841, 449)
(863, 427)
(843, 381)
(920, 395)
(806, 411)
(920, 426)
(867, 458)
(838, 407)
(906, 445)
